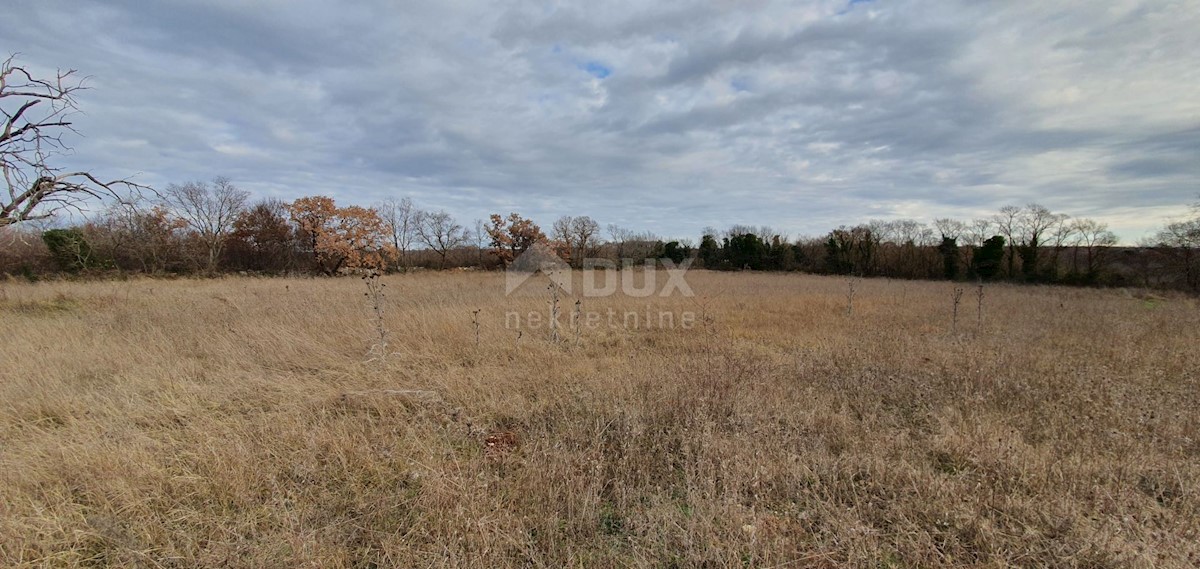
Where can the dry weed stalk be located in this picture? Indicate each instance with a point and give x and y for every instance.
(376, 297)
(957, 298)
(475, 322)
(553, 312)
(577, 320)
(707, 324)
(979, 306)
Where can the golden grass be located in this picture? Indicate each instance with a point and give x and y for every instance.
(238, 422)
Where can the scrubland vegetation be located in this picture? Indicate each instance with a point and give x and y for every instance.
(257, 422)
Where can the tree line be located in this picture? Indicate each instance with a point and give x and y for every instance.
(214, 227)
(1024, 244)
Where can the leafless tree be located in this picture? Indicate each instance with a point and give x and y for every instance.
(911, 231)
(1008, 223)
(1058, 236)
(882, 230)
(950, 228)
(1179, 241)
(1036, 224)
(479, 238)
(764, 232)
(143, 234)
(979, 230)
(633, 246)
(36, 118)
(642, 246)
(439, 232)
(208, 211)
(1036, 221)
(953, 230)
(399, 218)
(619, 237)
(899, 243)
(580, 235)
(1094, 239)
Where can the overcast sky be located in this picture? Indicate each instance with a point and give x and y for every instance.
(660, 115)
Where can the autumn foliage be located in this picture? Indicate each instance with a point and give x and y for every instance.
(511, 236)
(350, 237)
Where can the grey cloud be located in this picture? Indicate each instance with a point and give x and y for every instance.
(801, 116)
(1156, 167)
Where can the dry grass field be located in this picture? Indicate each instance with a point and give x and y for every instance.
(244, 422)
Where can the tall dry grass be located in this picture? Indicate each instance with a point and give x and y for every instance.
(239, 422)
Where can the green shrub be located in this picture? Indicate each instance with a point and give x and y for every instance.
(69, 249)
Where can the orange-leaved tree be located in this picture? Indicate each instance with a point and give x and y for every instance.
(338, 238)
(511, 236)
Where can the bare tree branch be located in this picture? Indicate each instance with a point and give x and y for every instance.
(31, 134)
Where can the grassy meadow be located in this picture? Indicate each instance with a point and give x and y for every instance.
(254, 422)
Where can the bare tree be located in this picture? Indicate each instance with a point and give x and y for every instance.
(1026, 230)
(1179, 241)
(979, 230)
(620, 236)
(1058, 236)
(633, 246)
(580, 235)
(586, 232)
(1008, 223)
(1036, 223)
(764, 233)
(439, 232)
(1094, 239)
(883, 231)
(36, 117)
(950, 228)
(141, 234)
(479, 238)
(399, 218)
(642, 246)
(208, 211)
